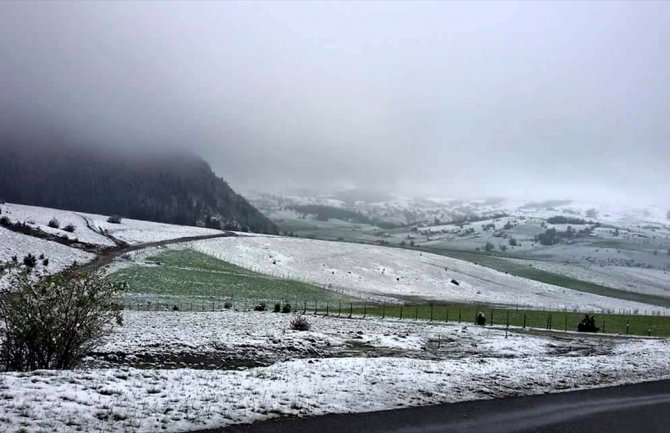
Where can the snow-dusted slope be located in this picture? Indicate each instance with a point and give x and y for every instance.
(397, 272)
(130, 230)
(60, 256)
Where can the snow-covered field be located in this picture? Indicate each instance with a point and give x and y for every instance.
(60, 256)
(130, 230)
(398, 272)
(487, 365)
(639, 280)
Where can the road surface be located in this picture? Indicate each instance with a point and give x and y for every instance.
(623, 409)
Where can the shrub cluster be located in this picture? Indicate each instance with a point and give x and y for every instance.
(286, 308)
(300, 323)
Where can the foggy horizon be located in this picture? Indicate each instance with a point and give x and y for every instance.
(518, 100)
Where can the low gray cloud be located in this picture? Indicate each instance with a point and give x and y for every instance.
(528, 100)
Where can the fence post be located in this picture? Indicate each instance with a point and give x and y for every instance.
(507, 321)
(416, 312)
(351, 309)
(524, 320)
(491, 317)
(459, 315)
(316, 306)
(431, 312)
(327, 306)
(401, 311)
(304, 307)
(566, 322)
(627, 326)
(365, 310)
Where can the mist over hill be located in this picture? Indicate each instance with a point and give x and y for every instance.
(165, 186)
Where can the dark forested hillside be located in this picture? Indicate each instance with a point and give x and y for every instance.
(172, 187)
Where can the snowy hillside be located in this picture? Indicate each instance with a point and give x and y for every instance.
(60, 256)
(129, 230)
(397, 272)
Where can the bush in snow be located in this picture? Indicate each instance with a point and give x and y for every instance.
(70, 228)
(260, 307)
(114, 219)
(45, 262)
(277, 308)
(300, 323)
(481, 319)
(286, 308)
(54, 223)
(228, 305)
(30, 261)
(54, 321)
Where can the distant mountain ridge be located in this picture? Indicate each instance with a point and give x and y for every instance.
(172, 187)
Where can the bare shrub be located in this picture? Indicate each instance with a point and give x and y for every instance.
(70, 228)
(53, 322)
(300, 323)
(114, 219)
(260, 307)
(54, 223)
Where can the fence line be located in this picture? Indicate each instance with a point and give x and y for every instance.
(429, 312)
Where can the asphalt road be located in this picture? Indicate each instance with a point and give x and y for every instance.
(623, 409)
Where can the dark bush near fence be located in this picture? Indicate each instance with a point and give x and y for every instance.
(260, 307)
(69, 228)
(277, 308)
(286, 308)
(300, 323)
(54, 223)
(481, 319)
(588, 324)
(228, 305)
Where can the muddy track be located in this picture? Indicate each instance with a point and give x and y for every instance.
(106, 256)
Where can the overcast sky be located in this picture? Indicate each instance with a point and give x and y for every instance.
(525, 100)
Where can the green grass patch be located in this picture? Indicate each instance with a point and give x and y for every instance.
(182, 275)
(555, 320)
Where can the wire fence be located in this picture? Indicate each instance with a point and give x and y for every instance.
(610, 322)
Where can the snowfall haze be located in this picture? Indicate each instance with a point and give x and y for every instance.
(522, 100)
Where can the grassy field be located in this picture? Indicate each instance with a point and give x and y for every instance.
(195, 281)
(183, 275)
(525, 271)
(555, 320)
